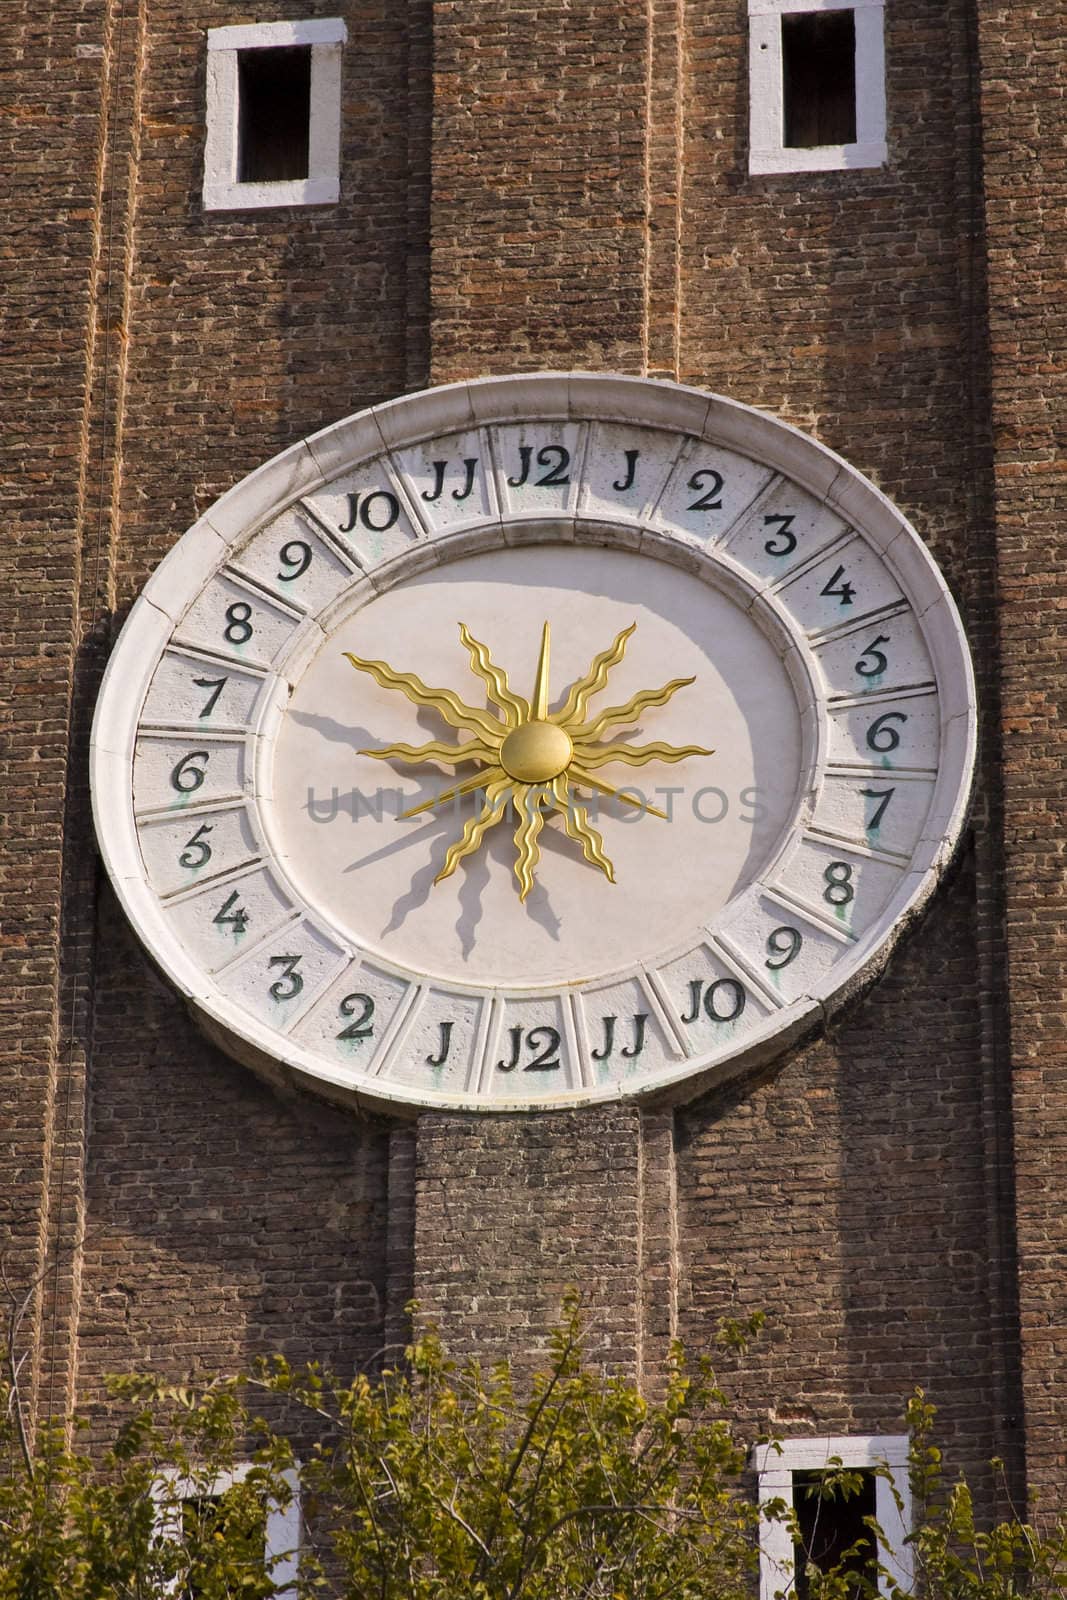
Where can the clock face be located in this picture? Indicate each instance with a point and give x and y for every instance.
(532, 741)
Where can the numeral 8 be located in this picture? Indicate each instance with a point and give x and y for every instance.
(238, 628)
(839, 890)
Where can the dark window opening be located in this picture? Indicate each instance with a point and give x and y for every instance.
(829, 1528)
(274, 97)
(238, 1526)
(819, 78)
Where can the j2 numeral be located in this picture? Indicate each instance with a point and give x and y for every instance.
(723, 1001)
(543, 1043)
(360, 1007)
(553, 457)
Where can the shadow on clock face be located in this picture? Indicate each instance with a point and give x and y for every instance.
(373, 874)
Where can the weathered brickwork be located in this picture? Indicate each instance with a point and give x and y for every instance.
(527, 187)
(155, 354)
(1024, 112)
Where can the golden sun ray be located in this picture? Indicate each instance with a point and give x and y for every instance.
(496, 801)
(468, 786)
(530, 758)
(615, 716)
(448, 705)
(578, 827)
(527, 803)
(436, 750)
(596, 678)
(514, 707)
(635, 755)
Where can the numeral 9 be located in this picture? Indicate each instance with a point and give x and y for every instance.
(297, 555)
(784, 942)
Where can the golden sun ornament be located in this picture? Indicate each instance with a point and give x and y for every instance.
(529, 756)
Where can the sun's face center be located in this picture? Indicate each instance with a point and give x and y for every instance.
(536, 753)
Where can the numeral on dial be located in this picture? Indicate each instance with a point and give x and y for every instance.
(834, 589)
(232, 914)
(553, 457)
(785, 943)
(620, 485)
(711, 499)
(238, 629)
(184, 776)
(838, 878)
(446, 1044)
(376, 511)
(470, 464)
(360, 1027)
(880, 736)
(883, 797)
(723, 1001)
(290, 983)
(296, 555)
(543, 1042)
(630, 1051)
(873, 662)
(216, 684)
(197, 852)
(784, 540)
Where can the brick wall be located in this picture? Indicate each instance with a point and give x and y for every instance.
(1024, 113)
(861, 1195)
(156, 354)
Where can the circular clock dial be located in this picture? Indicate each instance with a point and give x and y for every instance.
(532, 741)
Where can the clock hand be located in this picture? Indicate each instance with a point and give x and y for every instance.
(484, 777)
(539, 711)
(579, 775)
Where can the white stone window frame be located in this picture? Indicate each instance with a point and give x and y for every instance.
(767, 151)
(282, 1533)
(322, 186)
(775, 1465)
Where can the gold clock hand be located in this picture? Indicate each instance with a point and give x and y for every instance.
(539, 712)
(486, 776)
(579, 775)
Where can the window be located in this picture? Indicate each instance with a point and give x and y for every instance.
(185, 1502)
(816, 85)
(273, 115)
(792, 1470)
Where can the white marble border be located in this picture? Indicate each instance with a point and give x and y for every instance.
(305, 466)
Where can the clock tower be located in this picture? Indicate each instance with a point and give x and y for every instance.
(536, 761)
